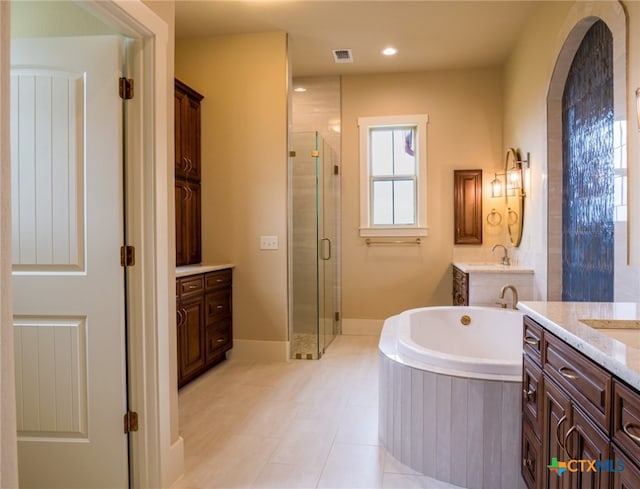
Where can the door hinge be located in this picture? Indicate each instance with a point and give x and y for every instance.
(337, 316)
(315, 153)
(336, 170)
(130, 422)
(126, 88)
(127, 256)
(292, 154)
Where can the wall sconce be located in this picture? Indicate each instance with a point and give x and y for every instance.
(513, 165)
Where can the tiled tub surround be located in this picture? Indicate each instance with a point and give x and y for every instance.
(615, 349)
(486, 280)
(460, 430)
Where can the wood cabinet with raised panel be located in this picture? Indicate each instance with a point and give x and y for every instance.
(187, 174)
(187, 131)
(188, 219)
(204, 322)
(467, 205)
(575, 410)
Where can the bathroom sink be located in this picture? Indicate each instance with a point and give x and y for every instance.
(626, 331)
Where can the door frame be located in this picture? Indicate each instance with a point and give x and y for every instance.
(157, 449)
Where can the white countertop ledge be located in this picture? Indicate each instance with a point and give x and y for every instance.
(187, 270)
(487, 267)
(620, 356)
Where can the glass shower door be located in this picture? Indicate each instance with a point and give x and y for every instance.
(313, 263)
(327, 241)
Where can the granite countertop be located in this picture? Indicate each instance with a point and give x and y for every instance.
(488, 267)
(200, 268)
(606, 332)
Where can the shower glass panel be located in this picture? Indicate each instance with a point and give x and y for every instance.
(313, 231)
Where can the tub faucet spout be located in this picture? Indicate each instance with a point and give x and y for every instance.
(514, 291)
(505, 258)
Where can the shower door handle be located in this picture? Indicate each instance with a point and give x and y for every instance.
(322, 249)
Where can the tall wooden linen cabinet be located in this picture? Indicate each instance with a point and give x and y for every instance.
(187, 171)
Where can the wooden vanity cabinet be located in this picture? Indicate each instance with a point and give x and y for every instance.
(460, 287)
(204, 322)
(189, 320)
(583, 413)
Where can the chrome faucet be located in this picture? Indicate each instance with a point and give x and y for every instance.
(514, 291)
(505, 258)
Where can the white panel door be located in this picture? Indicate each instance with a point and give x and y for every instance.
(66, 130)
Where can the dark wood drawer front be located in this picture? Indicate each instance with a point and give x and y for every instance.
(218, 305)
(218, 279)
(629, 478)
(219, 338)
(586, 382)
(626, 420)
(531, 394)
(190, 286)
(531, 458)
(532, 339)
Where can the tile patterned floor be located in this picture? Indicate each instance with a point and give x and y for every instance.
(301, 424)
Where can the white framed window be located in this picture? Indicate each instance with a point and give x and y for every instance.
(393, 176)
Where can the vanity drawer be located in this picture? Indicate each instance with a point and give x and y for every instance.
(531, 394)
(218, 279)
(218, 305)
(190, 286)
(581, 378)
(532, 338)
(626, 419)
(218, 338)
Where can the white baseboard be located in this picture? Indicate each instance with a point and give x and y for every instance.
(362, 327)
(267, 351)
(174, 469)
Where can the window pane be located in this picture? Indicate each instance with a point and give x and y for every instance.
(404, 202)
(381, 151)
(382, 202)
(404, 151)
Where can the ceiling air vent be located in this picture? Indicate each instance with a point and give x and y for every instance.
(342, 56)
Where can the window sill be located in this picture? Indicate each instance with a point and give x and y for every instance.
(394, 232)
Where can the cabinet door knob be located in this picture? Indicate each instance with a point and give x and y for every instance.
(529, 395)
(530, 340)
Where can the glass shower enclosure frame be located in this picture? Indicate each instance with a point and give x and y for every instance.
(312, 254)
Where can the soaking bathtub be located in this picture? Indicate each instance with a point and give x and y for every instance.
(450, 390)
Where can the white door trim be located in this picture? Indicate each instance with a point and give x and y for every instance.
(157, 448)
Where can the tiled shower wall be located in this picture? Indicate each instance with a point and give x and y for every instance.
(588, 171)
(315, 110)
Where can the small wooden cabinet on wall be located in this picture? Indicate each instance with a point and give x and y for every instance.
(573, 409)
(204, 322)
(187, 175)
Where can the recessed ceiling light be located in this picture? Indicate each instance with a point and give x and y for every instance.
(389, 51)
(299, 89)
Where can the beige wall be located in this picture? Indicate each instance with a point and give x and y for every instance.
(244, 177)
(464, 132)
(528, 75)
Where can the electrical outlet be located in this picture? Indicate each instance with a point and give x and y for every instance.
(268, 242)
